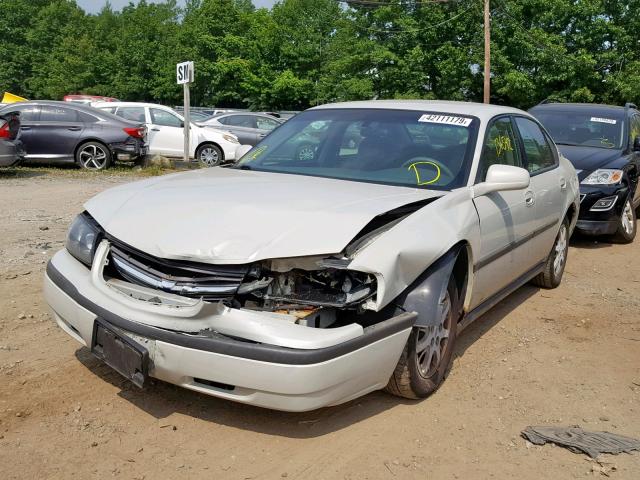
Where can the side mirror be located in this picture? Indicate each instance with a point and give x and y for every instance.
(636, 144)
(242, 150)
(501, 178)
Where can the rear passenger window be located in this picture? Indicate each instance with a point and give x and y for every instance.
(135, 114)
(500, 147)
(537, 147)
(87, 118)
(50, 113)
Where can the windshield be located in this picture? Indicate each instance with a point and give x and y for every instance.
(395, 147)
(583, 129)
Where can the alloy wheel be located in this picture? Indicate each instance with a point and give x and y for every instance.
(431, 341)
(561, 251)
(627, 218)
(93, 157)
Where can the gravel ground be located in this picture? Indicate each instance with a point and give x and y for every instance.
(569, 356)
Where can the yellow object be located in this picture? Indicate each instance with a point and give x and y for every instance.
(11, 98)
(419, 180)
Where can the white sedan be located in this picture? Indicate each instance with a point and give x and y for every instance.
(296, 283)
(165, 133)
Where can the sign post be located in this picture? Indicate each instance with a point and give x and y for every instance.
(184, 76)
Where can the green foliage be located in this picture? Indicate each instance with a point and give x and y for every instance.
(305, 52)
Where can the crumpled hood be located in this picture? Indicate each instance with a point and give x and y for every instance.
(589, 158)
(222, 215)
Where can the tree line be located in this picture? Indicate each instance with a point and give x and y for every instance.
(306, 52)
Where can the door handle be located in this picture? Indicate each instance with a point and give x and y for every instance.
(529, 198)
(155, 129)
(25, 128)
(563, 183)
(74, 129)
(262, 135)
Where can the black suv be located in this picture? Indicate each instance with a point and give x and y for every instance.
(70, 132)
(603, 143)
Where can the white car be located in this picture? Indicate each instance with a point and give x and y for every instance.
(295, 283)
(165, 129)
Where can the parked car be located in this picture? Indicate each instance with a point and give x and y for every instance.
(87, 99)
(297, 284)
(603, 143)
(166, 133)
(249, 127)
(11, 152)
(198, 117)
(70, 132)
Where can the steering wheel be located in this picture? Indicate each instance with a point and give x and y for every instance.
(440, 167)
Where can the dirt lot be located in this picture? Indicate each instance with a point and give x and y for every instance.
(570, 356)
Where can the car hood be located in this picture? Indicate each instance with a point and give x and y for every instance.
(222, 215)
(588, 158)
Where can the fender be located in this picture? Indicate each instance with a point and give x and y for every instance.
(426, 294)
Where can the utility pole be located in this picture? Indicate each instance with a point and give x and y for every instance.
(487, 53)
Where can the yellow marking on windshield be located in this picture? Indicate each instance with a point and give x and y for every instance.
(257, 153)
(503, 144)
(605, 141)
(419, 180)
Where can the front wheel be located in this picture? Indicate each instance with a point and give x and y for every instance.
(209, 155)
(427, 355)
(627, 224)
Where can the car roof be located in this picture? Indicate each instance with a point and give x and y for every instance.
(595, 108)
(77, 106)
(128, 104)
(481, 110)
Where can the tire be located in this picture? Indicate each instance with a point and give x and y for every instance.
(551, 276)
(627, 227)
(306, 152)
(209, 155)
(412, 377)
(93, 156)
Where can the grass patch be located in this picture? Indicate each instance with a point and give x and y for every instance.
(72, 171)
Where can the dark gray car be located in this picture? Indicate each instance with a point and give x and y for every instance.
(11, 152)
(67, 133)
(249, 127)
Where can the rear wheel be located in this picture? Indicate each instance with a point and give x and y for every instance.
(427, 355)
(209, 155)
(627, 225)
(551, 276)
(93, 156)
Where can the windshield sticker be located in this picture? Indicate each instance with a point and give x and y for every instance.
(445, 120)
(257, 152)
(419, 180)
(502, 144)
(604, 120)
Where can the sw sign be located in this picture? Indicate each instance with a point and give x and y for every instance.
(184, 72)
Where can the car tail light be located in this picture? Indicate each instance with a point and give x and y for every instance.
(5, 132)
(136, 132)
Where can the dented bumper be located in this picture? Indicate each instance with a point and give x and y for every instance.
(291, 367)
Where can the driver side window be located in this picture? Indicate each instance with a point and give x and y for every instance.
(500, 147)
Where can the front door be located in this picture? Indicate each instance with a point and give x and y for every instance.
(166, 134)
(507, 218)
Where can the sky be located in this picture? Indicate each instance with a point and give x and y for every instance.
(94, 6)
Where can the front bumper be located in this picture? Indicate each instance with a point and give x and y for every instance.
(262, 374)
(600, 222)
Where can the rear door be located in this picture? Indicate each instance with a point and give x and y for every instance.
(507, 218)
(56, 133)
(243, 127)
(541, 159)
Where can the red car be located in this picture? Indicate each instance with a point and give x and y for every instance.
(87, 99)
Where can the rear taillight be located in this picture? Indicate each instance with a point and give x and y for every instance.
(5, 132)
(135, 132)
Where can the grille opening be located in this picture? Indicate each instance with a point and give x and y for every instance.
(218, 385)
(185, 278)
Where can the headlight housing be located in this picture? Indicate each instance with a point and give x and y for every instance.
(603, 176)
(83, 237)
(230, 138)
